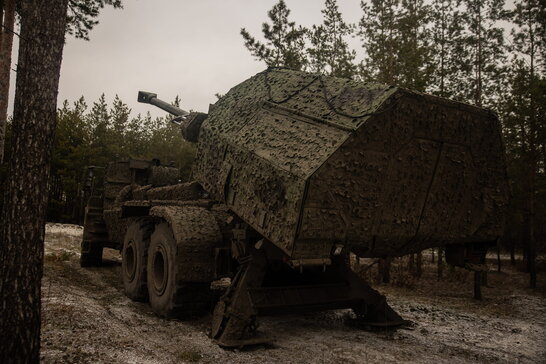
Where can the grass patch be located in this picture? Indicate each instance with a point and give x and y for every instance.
(190, 356)
(61, 256)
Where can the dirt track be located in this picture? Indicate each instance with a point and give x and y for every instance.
(87, 319)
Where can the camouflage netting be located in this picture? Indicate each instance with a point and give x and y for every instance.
(310, 161)
(163, 175)
(181, 192)
(116, 225)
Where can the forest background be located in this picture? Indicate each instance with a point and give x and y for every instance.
(481, 52)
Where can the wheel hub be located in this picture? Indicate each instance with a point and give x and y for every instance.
(160, 270)
(129, 257)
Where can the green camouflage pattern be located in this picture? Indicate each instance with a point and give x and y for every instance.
(311, 161)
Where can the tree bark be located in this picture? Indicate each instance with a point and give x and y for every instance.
(385, 269)
(43, 25)
(1, 21)
(6, 45)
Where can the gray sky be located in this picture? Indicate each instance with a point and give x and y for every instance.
(190, 48)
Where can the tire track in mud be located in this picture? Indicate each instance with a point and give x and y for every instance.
(87, 319)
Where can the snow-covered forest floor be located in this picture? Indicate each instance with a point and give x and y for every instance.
(87, 319)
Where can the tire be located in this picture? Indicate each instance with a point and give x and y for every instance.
(135, 259)
(170, 296)
(95, 236)
(91, 255)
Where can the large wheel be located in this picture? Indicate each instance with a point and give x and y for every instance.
(135, 259)
(170, 295)
(95, 234)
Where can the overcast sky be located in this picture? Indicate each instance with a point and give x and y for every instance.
(190, 48)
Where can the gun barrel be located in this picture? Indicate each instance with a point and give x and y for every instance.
(151, 98)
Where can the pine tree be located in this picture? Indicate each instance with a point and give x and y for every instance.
(81, 19)
(329, 52)
(82, 15)
(447, 31)
(395, 38)
(67, 162)
(43, 25)
(414, 47)
(119, 120)
(378, 30)
(285, 42)
(524, 111)
(484, 52)
(100, 142)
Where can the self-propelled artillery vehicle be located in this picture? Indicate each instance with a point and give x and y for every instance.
(293, 172)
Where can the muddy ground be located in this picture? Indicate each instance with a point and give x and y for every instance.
(87, 319)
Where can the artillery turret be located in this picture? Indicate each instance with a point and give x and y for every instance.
(190, 123)
(293, 172)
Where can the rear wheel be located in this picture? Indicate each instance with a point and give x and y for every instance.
(135, 258)
(95, 234)
(170, 295)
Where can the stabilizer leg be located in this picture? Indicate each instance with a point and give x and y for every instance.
(338, 287)
(234, 317)
(371, 306)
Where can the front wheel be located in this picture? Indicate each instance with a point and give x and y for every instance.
(161, 276)
(171, 296)
(134, 259)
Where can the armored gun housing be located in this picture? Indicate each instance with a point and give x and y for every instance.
(293, 172)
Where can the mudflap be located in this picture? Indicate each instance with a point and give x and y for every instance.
(234, 320)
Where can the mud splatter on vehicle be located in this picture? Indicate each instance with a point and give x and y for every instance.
(295, 171)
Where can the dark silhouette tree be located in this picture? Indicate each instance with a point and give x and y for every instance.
(446, 42)
(329, 52)
(379, 33)
(414, 45)
(285, 42)
(82, 15)
(483, 55)
(43, 25)
(81, 18)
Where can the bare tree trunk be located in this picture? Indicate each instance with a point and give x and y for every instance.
(385, 270)
(484, 279)
(6, 45)
(43, 25)
(440, 263)
(478, 285)
(529, 222)
(512, 252)
(498, 257)
(432, 255)
(419, 265)
(1, 21)
(411, 264)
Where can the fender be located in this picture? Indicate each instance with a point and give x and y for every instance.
(197, 234)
